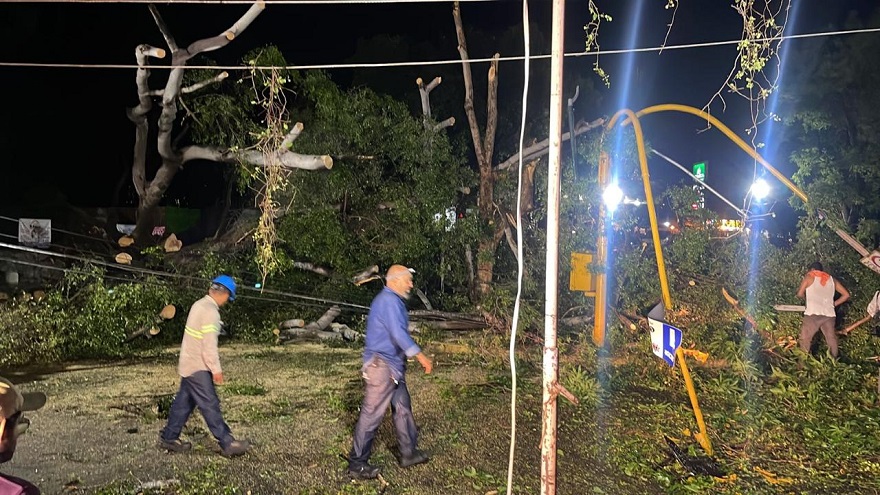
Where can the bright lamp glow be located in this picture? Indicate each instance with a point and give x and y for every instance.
(612, 197)
(760, 189)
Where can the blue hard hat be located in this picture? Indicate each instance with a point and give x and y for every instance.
(227, 282)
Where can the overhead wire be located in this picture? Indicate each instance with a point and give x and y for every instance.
(249, 2)
(520, 267)
(368, 65)
(334, 292)
(158, 273)
(157, 283)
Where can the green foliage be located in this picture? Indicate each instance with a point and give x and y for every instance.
(837, 150)
(391, 178)
(86, 317)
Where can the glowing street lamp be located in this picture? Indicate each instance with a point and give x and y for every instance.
(612, 196)
(760, 189)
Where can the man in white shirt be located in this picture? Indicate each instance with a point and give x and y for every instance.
(818, 289)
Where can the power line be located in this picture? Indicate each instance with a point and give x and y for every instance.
(364, 65)
(250, 2)
(152, 282)
(132, 269)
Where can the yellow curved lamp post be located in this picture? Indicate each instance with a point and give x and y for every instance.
(599, 325)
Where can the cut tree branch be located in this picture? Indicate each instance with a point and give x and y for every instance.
(443, 125)
(291, 136)
(468, 83)
(194, 87)
(163, 28)
(138, 114)
(303, 265)
(491, 112)
(286, 159)
(540, 149)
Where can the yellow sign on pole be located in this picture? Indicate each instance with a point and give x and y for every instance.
(581, 278)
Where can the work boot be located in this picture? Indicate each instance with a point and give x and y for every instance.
(175, 445)
(237, 447)
(417, 457)
(364, 472)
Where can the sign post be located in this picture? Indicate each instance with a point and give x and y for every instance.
(666, 343)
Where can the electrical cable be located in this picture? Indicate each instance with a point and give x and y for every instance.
(132, 269)
(248, 2)
(151, 282)
(360, 65)
(519, 249)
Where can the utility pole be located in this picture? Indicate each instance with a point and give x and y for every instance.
(551, 353)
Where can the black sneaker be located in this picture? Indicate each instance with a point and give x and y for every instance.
(175, 445)
(237, 447)
(365, 472)
(417, 457)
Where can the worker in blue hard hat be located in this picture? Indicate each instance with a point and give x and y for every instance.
(199, 369)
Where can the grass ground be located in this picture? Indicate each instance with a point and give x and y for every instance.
(774, 432)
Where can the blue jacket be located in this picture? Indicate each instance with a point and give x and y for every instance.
(388, 333)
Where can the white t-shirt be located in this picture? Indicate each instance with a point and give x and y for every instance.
(820, 298)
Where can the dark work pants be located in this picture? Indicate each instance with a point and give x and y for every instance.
(197, 390)
(380, 390)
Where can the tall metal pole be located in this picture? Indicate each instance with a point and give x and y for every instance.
(551, 354)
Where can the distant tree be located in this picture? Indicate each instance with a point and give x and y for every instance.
(835, 126)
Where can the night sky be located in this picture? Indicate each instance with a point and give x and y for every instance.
(64, 130)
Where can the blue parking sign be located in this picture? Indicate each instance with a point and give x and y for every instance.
(665, 340)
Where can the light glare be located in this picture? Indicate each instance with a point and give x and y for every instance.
(612, 197)
(760, 189)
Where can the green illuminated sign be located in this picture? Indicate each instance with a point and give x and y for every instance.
(700, 171)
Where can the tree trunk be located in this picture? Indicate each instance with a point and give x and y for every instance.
(484, 149)
(151, 192)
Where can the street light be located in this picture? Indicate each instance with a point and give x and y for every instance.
(612, 196)
(760, 189)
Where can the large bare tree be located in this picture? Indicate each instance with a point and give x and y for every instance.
(151, 191)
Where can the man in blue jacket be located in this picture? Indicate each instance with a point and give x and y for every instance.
(388, 345)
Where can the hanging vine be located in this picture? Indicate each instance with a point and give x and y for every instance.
(597, 17)
(755, 72)
(270, 181)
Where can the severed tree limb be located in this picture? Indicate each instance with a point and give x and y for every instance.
(325, 320)
(735, 303)
(291, 136)
(421, 295)
(443, 125)
(424, 93)
(855, 325)
(491, 112)
(370, 273)
(292, 323)
(540, 149)
(286, 159)
(138, 114)
(511, 241)
(425, 96)
(312, 268)
(468, 82)
(194, 87)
